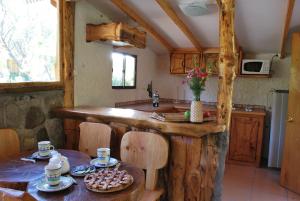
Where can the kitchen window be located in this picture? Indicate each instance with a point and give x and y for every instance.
(123, 71)
(29, 43)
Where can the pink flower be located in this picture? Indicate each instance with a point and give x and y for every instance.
(203, 75)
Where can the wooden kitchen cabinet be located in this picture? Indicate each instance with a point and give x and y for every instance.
(246, 134)
(191, 61)
(211, 61)
(181, 63)
(177, 63)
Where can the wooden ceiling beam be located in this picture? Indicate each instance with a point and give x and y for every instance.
(181, 25)
(136, 17)
(54, 3)
(287, 21)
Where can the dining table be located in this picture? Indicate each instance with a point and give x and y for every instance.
(16, 170)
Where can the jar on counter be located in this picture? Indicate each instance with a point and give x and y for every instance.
(155, 99)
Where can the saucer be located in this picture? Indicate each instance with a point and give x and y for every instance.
(36, 155)
(65, 182)
(112, 162)
(82, 170)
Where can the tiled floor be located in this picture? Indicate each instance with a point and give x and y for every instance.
(243, 183)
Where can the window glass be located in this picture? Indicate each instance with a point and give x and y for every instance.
(130, 71)
(28, 41)
(117, 75)
(124, 71)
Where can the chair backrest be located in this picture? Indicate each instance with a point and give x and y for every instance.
(93, 136)
(9, 143)
(7, 194)
(147, 151)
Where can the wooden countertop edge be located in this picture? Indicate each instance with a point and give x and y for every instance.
(171, 106)
(258, 113)
(138, 119)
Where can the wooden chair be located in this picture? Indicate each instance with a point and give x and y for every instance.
(14, 191)
(93, 136)
(9, 143)
(148, 151)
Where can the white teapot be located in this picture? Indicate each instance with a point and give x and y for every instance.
(65, 165)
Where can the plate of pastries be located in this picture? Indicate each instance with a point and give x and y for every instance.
(108, 180)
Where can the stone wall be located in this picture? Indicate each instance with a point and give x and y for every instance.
(29, 115)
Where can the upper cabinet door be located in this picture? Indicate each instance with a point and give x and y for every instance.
(177, 63)
(191, 61)
(211, 61)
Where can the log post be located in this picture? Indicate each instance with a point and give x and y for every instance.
(228, 61)
(67, 22)
(66, 26)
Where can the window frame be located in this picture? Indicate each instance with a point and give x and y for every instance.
(44, 86)
(135, 73)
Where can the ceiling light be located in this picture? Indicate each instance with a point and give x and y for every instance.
(195, 7)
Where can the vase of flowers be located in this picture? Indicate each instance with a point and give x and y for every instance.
(196, 79)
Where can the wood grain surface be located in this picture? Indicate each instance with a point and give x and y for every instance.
(17, 170)
(145, 150)
(192, 168)
(9, 143)
(94, 136)
(290, 177)
(228, 61)
(140, 120)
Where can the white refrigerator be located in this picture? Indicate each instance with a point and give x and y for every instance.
(278, 123)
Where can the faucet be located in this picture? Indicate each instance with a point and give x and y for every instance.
(149, 89)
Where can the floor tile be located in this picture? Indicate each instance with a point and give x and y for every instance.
(242, 183)
(293, 196)
(267, 181)
(267, 197)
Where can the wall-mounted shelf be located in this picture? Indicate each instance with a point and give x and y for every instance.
(118, 34)
(254, 76)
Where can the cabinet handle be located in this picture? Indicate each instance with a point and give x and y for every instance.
(182, 63)
(290, 119)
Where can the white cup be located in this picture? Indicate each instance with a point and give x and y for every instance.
(52, 174)
(44, 148)
(103, 155)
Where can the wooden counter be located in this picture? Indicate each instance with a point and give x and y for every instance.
(196, 156)
(139, 119)
(181, 107)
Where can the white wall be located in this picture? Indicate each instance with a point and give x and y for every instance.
(254, 91)
(93, 65)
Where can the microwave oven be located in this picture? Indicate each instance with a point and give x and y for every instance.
(256, 67)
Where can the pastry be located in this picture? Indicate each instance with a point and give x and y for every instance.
(108, 180)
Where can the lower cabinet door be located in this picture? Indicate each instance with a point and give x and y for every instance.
(243, 138)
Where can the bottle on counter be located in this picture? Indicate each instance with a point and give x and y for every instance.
(155, 99)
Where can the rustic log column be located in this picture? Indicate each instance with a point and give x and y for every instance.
(68, 15)
(227, 61)
(67, 20)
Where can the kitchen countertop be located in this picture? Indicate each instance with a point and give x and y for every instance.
(180, 107)
(138, 119)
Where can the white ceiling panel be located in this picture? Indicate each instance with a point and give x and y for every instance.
(259, 23)
(152, 12)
